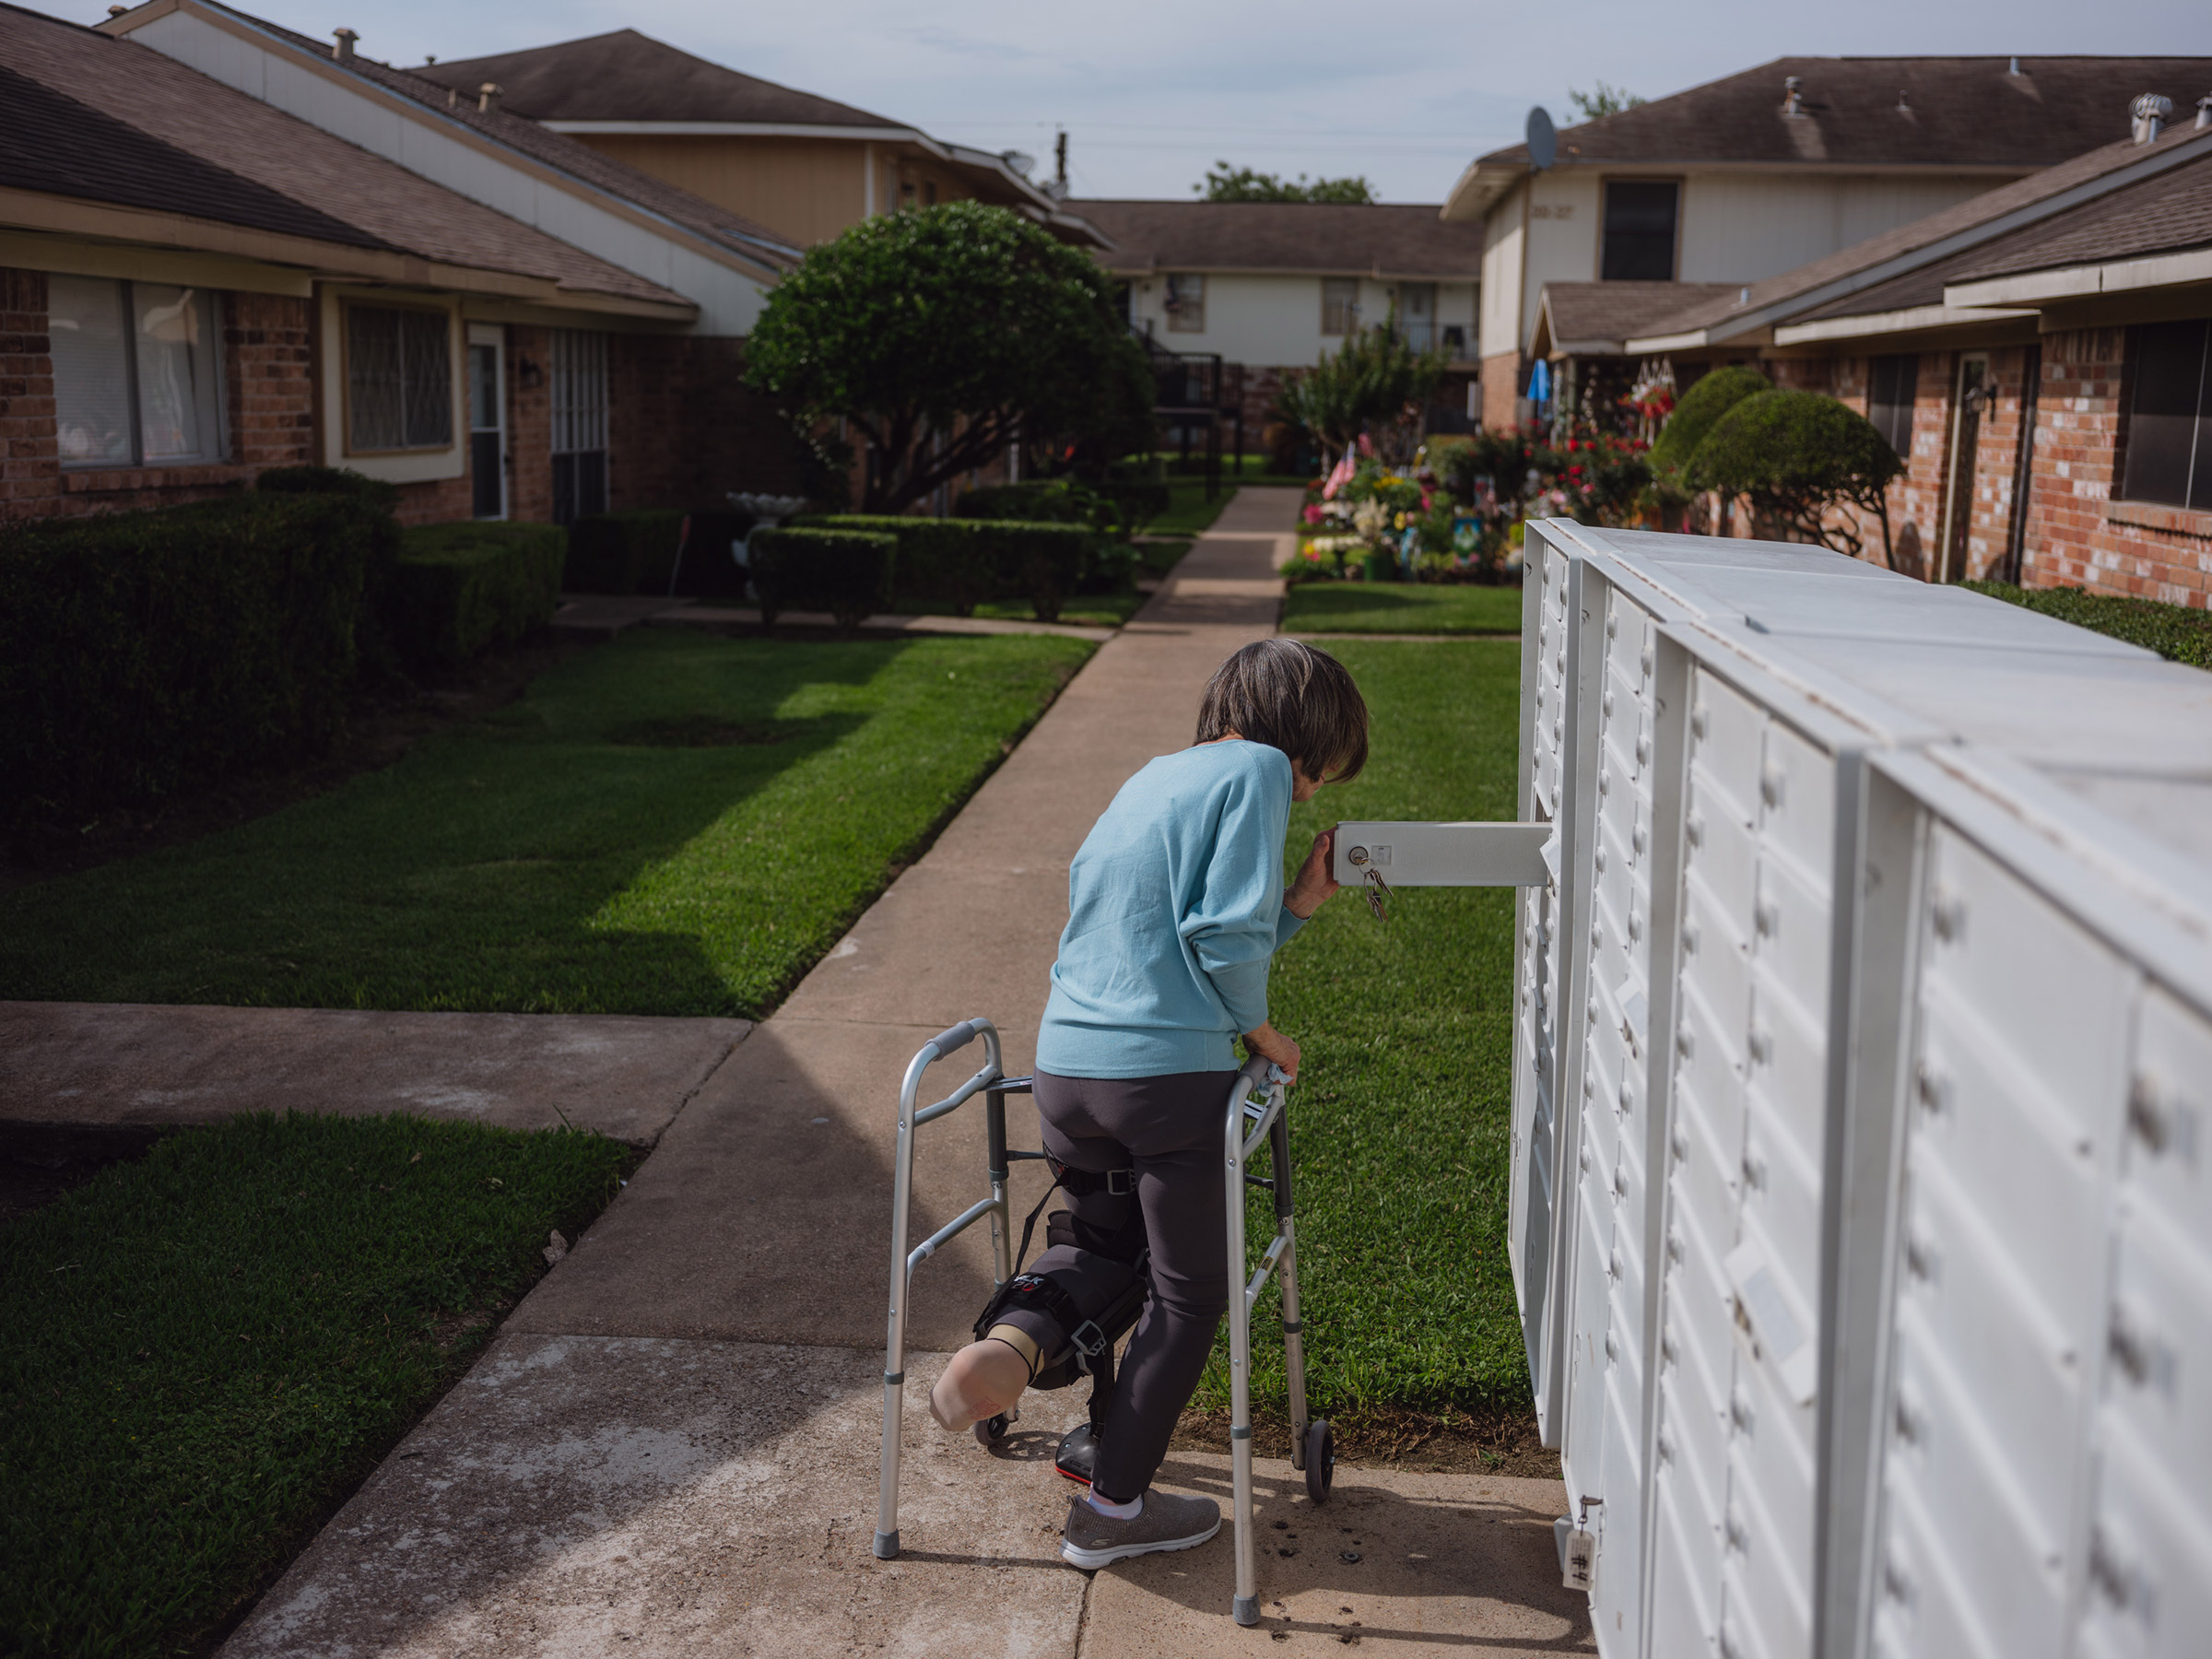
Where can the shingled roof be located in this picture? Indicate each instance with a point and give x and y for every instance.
(286, 161)
(1880, 273)
(501, 124)
(1324, 238)
(1915, 113)
(1602, 316)
(2167, 214)
(621, 76)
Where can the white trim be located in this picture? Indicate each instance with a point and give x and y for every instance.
(1912, 319)
(736, 129)
(2073, 282)
(409, 466)
(491, 335)
(49, 250)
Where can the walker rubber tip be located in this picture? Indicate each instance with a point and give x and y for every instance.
(1247, 1609)
(887, 1546)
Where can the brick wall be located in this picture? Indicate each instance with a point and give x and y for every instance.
(1500, 385)
(269, 345)
(530, 423)
(30, 458)
(2080, 533)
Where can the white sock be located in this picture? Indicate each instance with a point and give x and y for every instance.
(1116, 1512)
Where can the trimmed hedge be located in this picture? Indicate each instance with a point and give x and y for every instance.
(1043, 501)
(2180, 633)
(945, 560)
(848, 573)
(459, 589)
(627, 552)
(1043, 563)
(145, 651)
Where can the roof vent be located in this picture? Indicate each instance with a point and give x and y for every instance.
(487, 97)
(1792, 104)
(2150, 111)
(1904, 100)
(117, 11)
(2016, 65)
(343, 51)
(2204, 112)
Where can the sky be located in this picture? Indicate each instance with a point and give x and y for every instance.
(1152, 92)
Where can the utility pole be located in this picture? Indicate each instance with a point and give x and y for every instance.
(1059, 160)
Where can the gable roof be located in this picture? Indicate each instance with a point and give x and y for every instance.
(1879, 272)
(1872, 113)
(1580, 318)
(1321, 237)
(56, 146)
(621, 76)
(747, 238)
(282, 159)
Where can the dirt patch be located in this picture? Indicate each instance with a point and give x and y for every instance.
(39, 1162)
(384, 724)
(1435, 1443)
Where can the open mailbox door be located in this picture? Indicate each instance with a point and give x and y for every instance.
(1411, 854)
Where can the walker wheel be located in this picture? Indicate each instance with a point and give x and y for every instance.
(989, 1431)
(1321, 1460)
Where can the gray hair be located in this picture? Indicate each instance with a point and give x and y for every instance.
(1291, 697)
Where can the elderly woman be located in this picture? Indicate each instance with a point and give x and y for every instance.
(1176, 906)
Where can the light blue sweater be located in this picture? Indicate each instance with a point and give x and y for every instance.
(1175, 905)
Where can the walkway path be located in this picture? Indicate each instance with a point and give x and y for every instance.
(671, 1445)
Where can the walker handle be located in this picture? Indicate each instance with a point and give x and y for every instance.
(953, 1039)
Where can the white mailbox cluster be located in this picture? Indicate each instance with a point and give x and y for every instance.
(1862, 1189)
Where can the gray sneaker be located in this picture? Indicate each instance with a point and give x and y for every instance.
(1165, 1523)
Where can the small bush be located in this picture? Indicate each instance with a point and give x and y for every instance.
(2180, 633)
(1699, 411)
(1798, 457)
(629, 552)
(848, 573)
(458, 590)
(1041, 562)
(143, 651)
(945, 560)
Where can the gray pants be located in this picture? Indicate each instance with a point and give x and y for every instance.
(1169, 1130)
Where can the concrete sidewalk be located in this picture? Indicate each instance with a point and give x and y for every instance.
(671, 1445)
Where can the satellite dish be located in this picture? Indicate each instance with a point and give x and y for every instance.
(1543, 140)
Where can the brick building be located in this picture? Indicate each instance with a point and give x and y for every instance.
(2037, 358)
(198, 283)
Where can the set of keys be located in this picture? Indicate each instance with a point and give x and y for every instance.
(1377, 889)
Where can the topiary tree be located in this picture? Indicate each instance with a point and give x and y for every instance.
(942, 334)
(1797, 456)
(1700, 408)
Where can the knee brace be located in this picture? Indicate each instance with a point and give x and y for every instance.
(1090, 1307)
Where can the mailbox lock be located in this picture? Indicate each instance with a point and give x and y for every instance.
(1357, 857)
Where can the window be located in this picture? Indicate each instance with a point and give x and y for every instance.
(399, 379)
(134, 376)
(1339, 304)
(1640, 230)
(578, 424)
(1417, 314)
(1892, 382)
(2170, 423)
(1186, 304)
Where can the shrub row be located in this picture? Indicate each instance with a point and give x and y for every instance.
(637, 550)
(2178, 632)
(964, 561)
(458, 590)
(144, 649)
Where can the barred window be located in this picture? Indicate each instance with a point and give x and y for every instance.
(399, 379)
(1892, 384)
(580, 404)
(2170, 420)
(1339, 304)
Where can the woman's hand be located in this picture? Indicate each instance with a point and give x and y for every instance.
(1316, 877)
(1271, 1044)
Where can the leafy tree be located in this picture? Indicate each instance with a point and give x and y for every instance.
(1701, 406)
(939, 336)
(1374, 377)
(1225, 184)
(1797, 456)
(1606, 101)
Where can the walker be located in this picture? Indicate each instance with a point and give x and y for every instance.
(1312, 1445)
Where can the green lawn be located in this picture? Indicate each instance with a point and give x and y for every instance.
(670, 823)
(1400, 1121)
(1084, 610)
(1401, 608)
(208, 1348)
